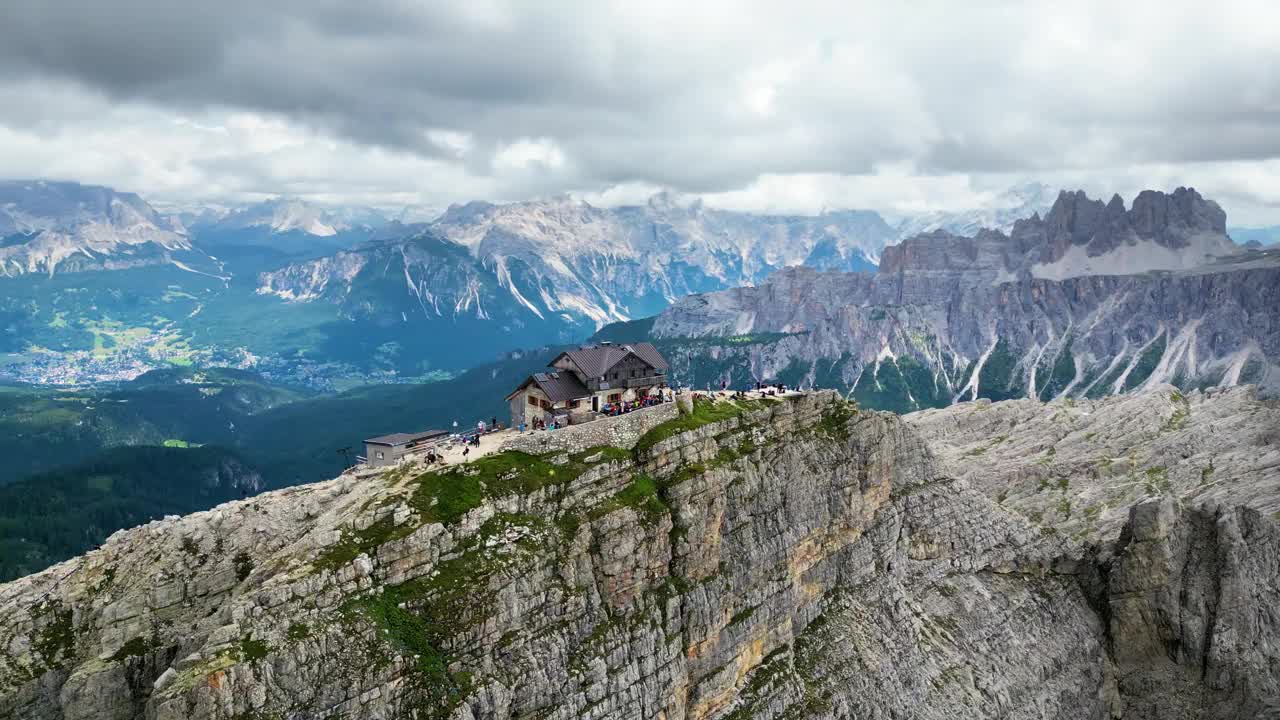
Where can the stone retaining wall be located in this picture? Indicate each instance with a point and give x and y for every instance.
(620, 432)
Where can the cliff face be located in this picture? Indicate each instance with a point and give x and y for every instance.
(764, 559)
(1091, 300)
(927, 338)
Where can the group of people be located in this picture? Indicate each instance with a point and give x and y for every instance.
(774, 389)
(541, 424)
(608, 410)
(764, 389)
(626, 406)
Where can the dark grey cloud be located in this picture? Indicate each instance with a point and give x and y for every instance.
(705, 97)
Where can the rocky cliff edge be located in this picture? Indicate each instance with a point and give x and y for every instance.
(760, 559)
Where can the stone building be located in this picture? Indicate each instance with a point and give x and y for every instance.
(389, 449)
(585, 382)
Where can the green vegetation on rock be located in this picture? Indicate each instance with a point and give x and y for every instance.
(641, 494)
(444, 496)
(900, 385)
(357, 542)
(55, 642)
(1060, 374)
(705, 411)
(1147, 362)
(416, 618)
(134, 647)
(998, 379)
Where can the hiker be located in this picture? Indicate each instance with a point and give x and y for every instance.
(466, 451)
(493, 423)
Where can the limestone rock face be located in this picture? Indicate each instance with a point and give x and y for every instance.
(756, 559)
(1191, 599)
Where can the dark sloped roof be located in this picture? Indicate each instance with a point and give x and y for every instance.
(406, 438)
(595, 360)
(648, 353)
(558, 386)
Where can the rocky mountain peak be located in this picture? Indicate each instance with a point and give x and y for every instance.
(1170, 218)
(1076, 215)
(466, 212)
(1161, 231)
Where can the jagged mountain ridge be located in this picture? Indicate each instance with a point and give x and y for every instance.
(569, 263)
(1081, 236)
(48, 227)
(948, 318)
(795, 559)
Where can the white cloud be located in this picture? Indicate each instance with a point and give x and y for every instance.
(529, 154)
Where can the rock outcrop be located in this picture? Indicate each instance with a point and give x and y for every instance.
(1076, 467)
(750, 559)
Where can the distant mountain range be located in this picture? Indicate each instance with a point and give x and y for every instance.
(556, 270)
(311, 294)
(49, 227)
(1091, 299)
(316, 295)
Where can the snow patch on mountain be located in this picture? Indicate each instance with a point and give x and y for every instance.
(504, 280)
(1137, 257)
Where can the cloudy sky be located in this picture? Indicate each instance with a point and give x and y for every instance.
(783, 106)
